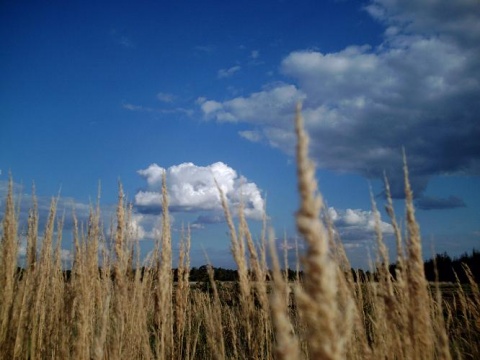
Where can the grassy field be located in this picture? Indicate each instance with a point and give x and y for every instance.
(119, 313)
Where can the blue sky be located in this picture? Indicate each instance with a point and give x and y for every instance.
(108, 91)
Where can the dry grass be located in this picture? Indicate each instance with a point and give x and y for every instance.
(108, 310)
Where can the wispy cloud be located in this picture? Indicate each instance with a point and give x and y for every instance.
(126, 42)
(207, 49)
(254, 58)
(251, 135)
(121, 39)
(166, 97)
(226, 73)
(146, 109)
(133, 107)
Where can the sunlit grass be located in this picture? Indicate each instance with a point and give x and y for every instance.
(108, 310)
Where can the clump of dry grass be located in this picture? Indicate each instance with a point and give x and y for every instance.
(111, 307)
(8, 266)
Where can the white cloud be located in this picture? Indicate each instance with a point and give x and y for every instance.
(418, 89)
(209, 106)
(192, 188)
(255, 54)
(197, 226)
(356, 224)
(146, 226)
(226, 73)
(22, 248)
(272, 105)
(66, 256)
(251, 135)
(133, 107)
(328, 78)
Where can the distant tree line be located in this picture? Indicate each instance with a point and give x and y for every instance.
(200, 274)
(448, 267)
(448, 270)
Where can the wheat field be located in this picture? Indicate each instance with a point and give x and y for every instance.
(109, 309)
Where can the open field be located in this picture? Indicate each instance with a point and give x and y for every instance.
(117, 313)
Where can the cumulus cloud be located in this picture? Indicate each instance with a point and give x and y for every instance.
(418, 89)
(354, 227)
(271, 106)
(356, 224)
(436, 203)
(146, 226)
(226, 73)
(192, 188)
